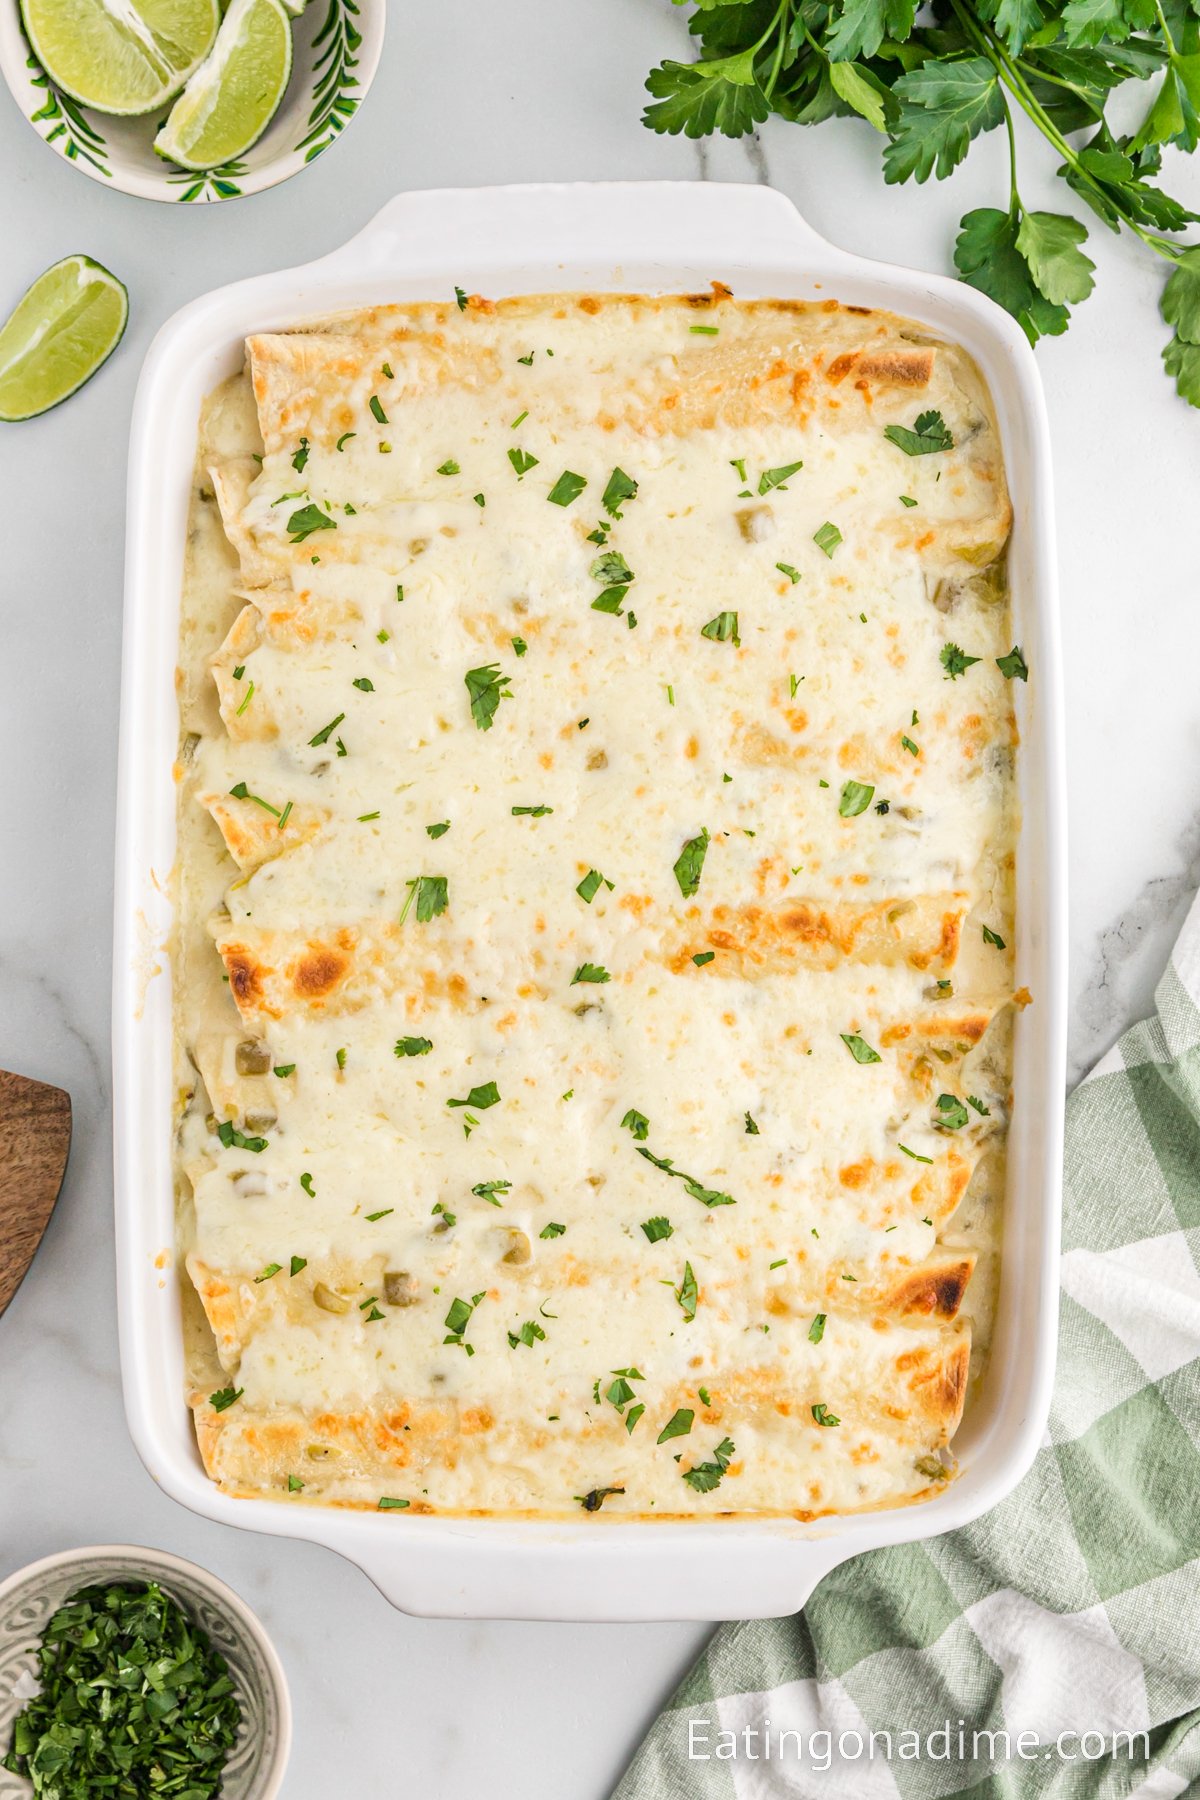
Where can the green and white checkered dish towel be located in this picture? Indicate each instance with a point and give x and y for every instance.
(1074, 1606)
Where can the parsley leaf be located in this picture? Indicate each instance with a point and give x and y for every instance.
(1013, 667)
(723, 629)
(928, 435)
(487, 687)
(856, 797)
(722, 94)
(301, 456)
(488, 1094)
(552, 1230)
(590, 972)
(611, 570)
(689, 865)
(522, 462)
(307, 519)
(593, 1501)
(657, 1229)
(859, 1049)
(619, 487)
(678, 1425)
(413, 1046)
(776, 478)
(432, 895)
(687, 1293)
(827, 538)
(591, 884)
(637, 1123)
(567, 488)
(952, 1115)
(707, 1196)
(942, 106)
(956, 662)
(705, 1476)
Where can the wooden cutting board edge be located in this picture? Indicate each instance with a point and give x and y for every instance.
(35, 1145)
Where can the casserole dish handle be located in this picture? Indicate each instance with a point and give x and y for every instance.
(446, 229)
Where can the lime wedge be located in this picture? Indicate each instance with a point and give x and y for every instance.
(70, 321)
(235, 93)
(120, 56)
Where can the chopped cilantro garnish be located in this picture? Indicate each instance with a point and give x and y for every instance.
(956, 662)
(449, 467)
(438, 830)
(1013, 667)
(591, 884)
(593, 972)
(322, 736)
(432, 895)
(723, 629)
(619, 487)
(793, 575)
(131, 1698)
(707, 1196)
(827, 538)
(658, 1228)
(637, 1123)
(928, 435)
(772, 478)
(593, 1501)
(522, 462)
(689, 864)
(705, 1476)
(914, 1154)
(856, 797)
(687, 1293)
(487, 687)
(678, 1425)
(552, 1230)
(307, 519)
(859, 1049)
(488, 1094)
(993, 938)
(528, 1334)
(413, 1046)
(567, 488)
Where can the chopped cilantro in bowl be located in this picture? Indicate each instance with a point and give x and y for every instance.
(141, 1675)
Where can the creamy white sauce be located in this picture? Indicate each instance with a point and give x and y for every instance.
(638, 738)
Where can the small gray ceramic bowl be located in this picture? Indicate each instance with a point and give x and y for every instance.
(27, 1599)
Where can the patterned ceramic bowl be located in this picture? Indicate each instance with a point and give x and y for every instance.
(337, 50)
(27, 1599)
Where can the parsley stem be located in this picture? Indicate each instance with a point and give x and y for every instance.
(1166, 29)
(780, 24)
(1008, 68)
(1014, 199)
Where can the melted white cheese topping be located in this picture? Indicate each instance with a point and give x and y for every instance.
(638, 731)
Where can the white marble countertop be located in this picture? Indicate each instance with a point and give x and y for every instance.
(472, 92)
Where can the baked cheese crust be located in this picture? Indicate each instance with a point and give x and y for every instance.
(594, 974)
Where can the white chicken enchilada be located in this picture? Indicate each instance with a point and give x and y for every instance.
(593, 977)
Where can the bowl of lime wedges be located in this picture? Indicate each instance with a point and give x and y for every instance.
(190, 101)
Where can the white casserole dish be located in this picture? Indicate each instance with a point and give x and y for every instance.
(651, 237)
